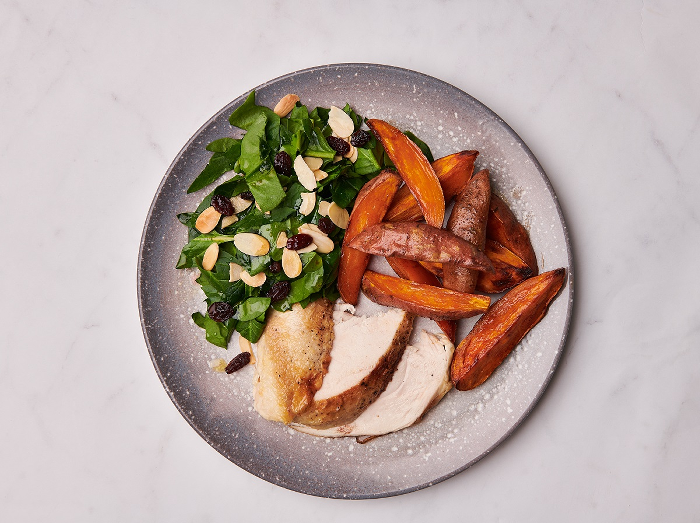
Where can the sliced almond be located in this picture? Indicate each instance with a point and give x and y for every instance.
(253, 281)
(353, 156)
(323, 208)
(218, 365)
(323, 243)
(228, 220)
(313, 162)
(337, 158)
(210, 257)
(338, 216)
(291, 263)
(309, 248)
(320, 175)
(285, 105)
(234, 271)
(240, 204)
(308, 203)
(251, 244)
(246, 346)
(340, 122)
(281, 241)
(305, 175)
(207, 220)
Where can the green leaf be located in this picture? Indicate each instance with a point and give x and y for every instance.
(251, 157)
(216, 333)
(252, 308)
(318, 146)
(366, 163)
(356, 118)
(213, 285)
(222, 144)
(301, 288)
(266, 189)
(221, 162)
(421, 145)
(195, 248)
(250, 330)
(234, 293)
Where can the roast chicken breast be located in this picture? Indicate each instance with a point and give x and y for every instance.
(420, 381)
(293, 354)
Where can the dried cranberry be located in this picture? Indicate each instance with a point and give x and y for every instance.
(247, 195)
(237, 363)
(299, 241)
(221, 311)
(279, 290)
(275, 266)
(283, 163)
(339, 145)
(222, 205)
(360, 138)
(326, 225)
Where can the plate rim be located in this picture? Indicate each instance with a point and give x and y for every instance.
(569, 281)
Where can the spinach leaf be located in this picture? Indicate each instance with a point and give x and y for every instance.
(222, 144)
(366, 163)
(216, 333)
(421, 145)
(356, 118)
(301, 289)
(252, 308)
(196, 247)
(266, 189)
(318, 146)
(221, 162)
(251, 156)
(213, 285)
(234, 293)
(232, 187)
(345, 191)
(250, 330)
(252, 221)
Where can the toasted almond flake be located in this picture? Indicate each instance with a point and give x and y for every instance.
(323, 243)
(304, 174)
(291, 263)
(228, 220)
(207, 220)
(308, 203)
(338, 216)
(251, 244)
(309, 248)
(240, 204)
(313, 162)
(246, 346)
(337, 158)
(353, 156)
(281, 240)
(253, 281)
(210, 257)
(234, 271)
(320, 175)
(218, 365)
(350, 152)
(340, 122)
(285, 105)
(323, 208)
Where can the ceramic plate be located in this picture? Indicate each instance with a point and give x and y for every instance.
(465, 426)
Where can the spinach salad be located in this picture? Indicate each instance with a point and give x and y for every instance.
(271, 201)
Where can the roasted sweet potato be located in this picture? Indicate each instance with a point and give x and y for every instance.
(423, 300)
(370, 206)
(414, 271)
(498, 331)
(503, 227)
(468, 221)
(509, 270)
(435, 268)
(453, 171)
(419, 242)
(414, 168)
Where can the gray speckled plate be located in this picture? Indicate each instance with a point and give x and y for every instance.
(465, 426)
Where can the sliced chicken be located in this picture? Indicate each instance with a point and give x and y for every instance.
(293, 354)
(420, 381)
(366, 351)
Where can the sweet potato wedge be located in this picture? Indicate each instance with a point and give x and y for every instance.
(419, 242)
(453, 171)
(435, 268)
(509, 270)
(414, 168)
(498, 331)
(370, 206)
(505, 228)
(414, 271)
(468, 221)
(420, 299)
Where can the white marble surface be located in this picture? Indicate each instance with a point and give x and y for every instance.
(97, 98)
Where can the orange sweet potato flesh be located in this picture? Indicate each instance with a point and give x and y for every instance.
(500, 330)
(423, 300)
(414, 271)
(370, 206)
(468, 221)
(435, 268)
(509, 270)
(453, 171)
(419, 242)
(414, 168)
(504, 227)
